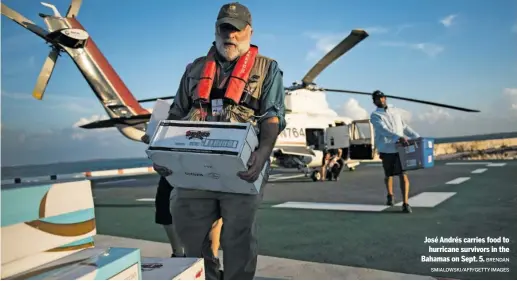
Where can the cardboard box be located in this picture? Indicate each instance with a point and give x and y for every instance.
(206, 155)
(44, 222)
(337, 137)
(90, 264)
(173, 269)
(418, 155)
(35, 260)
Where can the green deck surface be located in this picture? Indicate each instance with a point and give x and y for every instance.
(486, 205)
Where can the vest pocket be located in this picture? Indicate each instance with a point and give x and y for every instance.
(194, 115)
(251, 87)
(238, 113)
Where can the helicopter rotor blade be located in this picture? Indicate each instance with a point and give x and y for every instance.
(155, 99)
(73, 9)
(112, 122)
(45, 74)
(23, 21)
(344, 46)
(405, 99)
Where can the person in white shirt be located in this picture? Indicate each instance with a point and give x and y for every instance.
(389, 128)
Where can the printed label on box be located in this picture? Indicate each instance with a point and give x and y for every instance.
(429, 159)
(410, 149)
(205, 138)
(410, 163)
(430, 144)
(130, 273)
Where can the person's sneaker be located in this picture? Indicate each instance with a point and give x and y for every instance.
(389, 202)
(406, 208)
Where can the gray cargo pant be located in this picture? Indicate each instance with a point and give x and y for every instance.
(194, 212)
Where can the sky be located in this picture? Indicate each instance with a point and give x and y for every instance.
(459, 52)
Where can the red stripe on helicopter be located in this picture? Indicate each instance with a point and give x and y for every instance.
(111, 75)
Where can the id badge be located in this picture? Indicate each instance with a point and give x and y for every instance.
(217, 107)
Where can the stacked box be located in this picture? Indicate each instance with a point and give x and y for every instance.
(41, 223)
(419, 154)
(46, 223)
(173, 269)
(91, 264)
(206, 155)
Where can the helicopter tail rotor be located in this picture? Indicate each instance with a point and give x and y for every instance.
(50, 62)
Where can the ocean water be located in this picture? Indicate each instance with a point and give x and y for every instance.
(496, 136)
(72, 167)
(109, 164)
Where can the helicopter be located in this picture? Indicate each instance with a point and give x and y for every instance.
(295, 146)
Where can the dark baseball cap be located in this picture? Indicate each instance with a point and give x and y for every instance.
(235, 14)
(377, 94)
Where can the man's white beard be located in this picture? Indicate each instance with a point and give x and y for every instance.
(230, 53)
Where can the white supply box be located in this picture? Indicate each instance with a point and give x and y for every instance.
(173, 269)
(206, 155)
(90, 264)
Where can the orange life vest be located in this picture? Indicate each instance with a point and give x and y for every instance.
(238, 78)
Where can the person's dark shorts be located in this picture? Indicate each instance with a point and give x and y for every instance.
(162, 203)
(391, 164)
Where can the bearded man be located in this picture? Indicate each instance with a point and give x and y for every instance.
(232, 83)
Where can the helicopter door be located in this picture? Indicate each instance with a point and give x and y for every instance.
(337, 137)
(361, 140)
(315, 138)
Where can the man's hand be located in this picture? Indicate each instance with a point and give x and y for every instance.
(403, 141)
(145, 139)
(162, 171)
(256, 163)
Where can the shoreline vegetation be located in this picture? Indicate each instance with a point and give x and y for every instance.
(499, 149)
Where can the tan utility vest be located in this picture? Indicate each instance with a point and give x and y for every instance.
(245, 111)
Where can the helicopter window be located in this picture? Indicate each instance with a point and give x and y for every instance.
(315, 137)
(362, 131)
